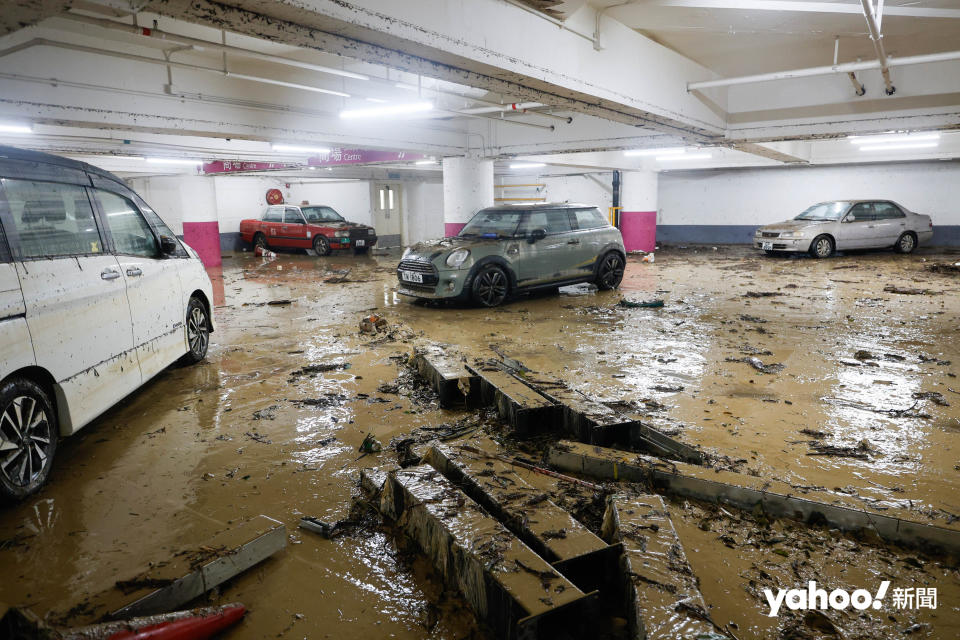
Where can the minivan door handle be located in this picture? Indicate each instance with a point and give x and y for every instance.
(134, 271)
(109, 274)
(573, 242)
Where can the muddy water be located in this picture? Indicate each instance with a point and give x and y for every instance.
(201, 447)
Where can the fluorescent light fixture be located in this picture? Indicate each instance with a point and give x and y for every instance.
(425, 162)
(380, 100)
(394, 109)
(293, 148)
(16, 128)
(900, 137)
(527, 165)
(655, 152)
(406, 87)
(685, 156)
(898, 147)
(175, 161)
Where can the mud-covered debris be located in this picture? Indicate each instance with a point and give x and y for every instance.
(388, 388)
(373, 324)
(940, 363)
(337, 277)
(271, 303)
(141, 582)
(370, 444)
(668, 388)
(861, 451)
(758, 364)
(325, 529)
(944, 267)
(909, 291)
(322, 367)
(934, 396)
(259, 437)
(863, 354)
(327, 400)
(643, 304)
(814, 433)
(762, 294)
(269, 413)
(754, 351)
(754, 319)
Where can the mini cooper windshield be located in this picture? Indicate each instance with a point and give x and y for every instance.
(492, 224)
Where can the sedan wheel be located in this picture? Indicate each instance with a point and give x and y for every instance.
(906, 243)
(821, 247)
(260, 240)
(198, 331)
(490, 286)
(28, 438)
(610, 272)
(321, 245)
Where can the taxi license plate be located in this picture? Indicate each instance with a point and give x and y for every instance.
(359, 243)
(767, 246)
(411, 276)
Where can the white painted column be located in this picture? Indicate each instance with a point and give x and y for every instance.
(638, 216)
(467, 188)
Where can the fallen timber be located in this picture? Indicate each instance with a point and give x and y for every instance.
(550, 531)
(748, 492)
(660, 592)
(513, 591)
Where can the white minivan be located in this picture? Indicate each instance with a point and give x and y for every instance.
(97, 296)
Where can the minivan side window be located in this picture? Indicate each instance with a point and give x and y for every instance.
(51, 219)
(131, 233)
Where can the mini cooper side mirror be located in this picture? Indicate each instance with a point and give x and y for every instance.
(536, 234)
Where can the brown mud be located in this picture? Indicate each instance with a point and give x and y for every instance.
(271, 422)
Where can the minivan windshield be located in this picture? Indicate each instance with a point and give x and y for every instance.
(492, 223)
(321, 214)
(824, 211)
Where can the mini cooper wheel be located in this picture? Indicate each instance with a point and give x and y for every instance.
(321, 245)
(28, 438)
(490, 286)
(260, 240)
(822, 247)
(906, 243)
(198, 331)
(610, 272)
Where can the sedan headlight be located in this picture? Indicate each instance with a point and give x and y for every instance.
(457, 258)
(370, 232)
(791, 234)
(343, 234)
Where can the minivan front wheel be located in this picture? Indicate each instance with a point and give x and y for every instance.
(28, 438)
(610, 272)
(490, 286)
(198, 331)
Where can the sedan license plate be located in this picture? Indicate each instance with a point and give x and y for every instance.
(359, 243)
(412, 276)
(767, 246)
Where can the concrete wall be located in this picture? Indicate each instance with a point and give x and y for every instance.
(423, 212)
(725, 206)
(595, 189)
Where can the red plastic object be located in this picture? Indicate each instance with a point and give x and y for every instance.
(192, 628)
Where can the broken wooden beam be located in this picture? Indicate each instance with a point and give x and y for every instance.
(521, 407)
(527, 512)
(662, 599)
(512, 590)
(270, 536)
(746, 492)
(456, 387)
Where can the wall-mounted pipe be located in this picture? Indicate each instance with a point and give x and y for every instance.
(857, 85)
(877, 37)
(846, 67)
(521, 107)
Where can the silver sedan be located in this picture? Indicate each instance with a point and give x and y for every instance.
(846, 224)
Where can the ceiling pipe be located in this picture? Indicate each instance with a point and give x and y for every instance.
(846, 67)
(549, 19)
(857, 85)
(521, 107)
(877, 37)
(600, 13)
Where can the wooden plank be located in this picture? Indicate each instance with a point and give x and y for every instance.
(512, 590)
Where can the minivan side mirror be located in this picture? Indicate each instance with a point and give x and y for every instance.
(536, 234)
(168, 246)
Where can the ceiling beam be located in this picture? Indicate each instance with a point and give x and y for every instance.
(798, 6)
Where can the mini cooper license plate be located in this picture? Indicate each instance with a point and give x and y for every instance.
(359, 243)
(767, 246)
(412, 276)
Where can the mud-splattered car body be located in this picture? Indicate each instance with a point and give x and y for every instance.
(516, 248)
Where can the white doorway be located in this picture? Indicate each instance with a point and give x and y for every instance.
(387, 199)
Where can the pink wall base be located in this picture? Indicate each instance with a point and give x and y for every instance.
(639, 229)
(451, 229)
(204, 238)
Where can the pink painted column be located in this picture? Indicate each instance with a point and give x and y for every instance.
(201, 230)
(639, 229)
(451, 229)
(204, 238)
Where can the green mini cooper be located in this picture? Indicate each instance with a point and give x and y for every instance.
(507, 249)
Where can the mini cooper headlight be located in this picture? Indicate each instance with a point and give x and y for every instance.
(457, 258)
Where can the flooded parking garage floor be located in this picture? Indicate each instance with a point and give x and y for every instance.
(839, 375)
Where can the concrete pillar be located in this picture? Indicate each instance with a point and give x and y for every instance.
(638, 218)
(467, 188)
(201, 228)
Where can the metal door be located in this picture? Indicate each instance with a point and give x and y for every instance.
(387, 199)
